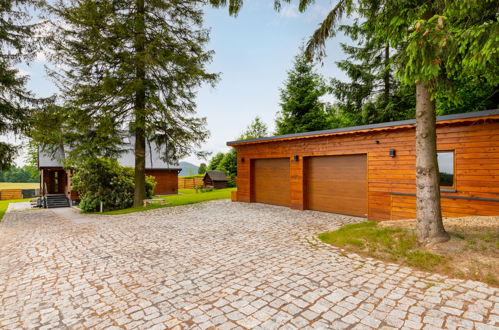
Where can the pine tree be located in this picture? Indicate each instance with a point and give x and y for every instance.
(16, 44)
(372, 94)
(132, 64)
(301, 108)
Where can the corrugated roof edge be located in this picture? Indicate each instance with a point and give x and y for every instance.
(457, 116)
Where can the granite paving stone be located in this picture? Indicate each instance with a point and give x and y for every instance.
(216, 265)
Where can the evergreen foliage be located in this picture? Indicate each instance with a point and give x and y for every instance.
(301, 108)
(17, 43)
(136, 64)
(257, 129)
(106, 180)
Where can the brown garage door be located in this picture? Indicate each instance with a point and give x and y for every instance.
(271, 181)
(337, 184)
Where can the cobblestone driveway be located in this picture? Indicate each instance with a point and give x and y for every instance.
(216, 264)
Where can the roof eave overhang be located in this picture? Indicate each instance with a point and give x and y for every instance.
(406, 124)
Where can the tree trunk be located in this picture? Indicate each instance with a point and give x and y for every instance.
(386, 77)
(139, 108)
(429, 227)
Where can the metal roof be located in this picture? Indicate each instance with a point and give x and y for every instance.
(127, 158)
(466, 115)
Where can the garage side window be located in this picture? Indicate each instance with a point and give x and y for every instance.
(446, 167)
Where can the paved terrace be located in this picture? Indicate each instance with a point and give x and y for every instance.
(217, 264)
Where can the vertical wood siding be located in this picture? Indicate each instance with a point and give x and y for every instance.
(476, 147)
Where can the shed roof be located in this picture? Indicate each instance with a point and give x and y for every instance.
(127, 158)
(216, 175)
(447, 119)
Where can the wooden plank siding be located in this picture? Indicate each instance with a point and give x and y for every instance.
(166, 181)
(6, 194)
(475, 144)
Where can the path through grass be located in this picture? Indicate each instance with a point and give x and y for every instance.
(5, 204)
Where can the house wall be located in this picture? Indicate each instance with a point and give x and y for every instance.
(48, 182)
(219, 184)
(391, 181)
(166, 181)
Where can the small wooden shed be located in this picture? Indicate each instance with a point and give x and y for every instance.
(215, 179)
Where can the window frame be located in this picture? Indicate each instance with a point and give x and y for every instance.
(453, 187)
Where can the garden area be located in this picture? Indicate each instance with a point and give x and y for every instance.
(471, 253)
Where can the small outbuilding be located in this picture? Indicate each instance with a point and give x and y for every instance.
(215, 179)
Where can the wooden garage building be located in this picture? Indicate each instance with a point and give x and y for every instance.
(369, 171)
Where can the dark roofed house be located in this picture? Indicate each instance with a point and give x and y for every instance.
(55, 180)
(215, 179)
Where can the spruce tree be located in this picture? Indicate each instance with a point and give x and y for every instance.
(136, 65)
(372, 93)
(16, 44)
(257, 129)
(301, 108)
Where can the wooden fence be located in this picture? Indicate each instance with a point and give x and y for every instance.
(189, 183)
(11, 194)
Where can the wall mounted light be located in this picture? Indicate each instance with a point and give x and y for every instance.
(296, 158)
(242, 159)
(392, 153)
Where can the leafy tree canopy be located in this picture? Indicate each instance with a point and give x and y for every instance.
(202, 168)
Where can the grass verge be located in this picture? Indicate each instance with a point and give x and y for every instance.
(5, 204)
(186, 196)
(399, 245)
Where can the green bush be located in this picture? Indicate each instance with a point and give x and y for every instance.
(106, 180)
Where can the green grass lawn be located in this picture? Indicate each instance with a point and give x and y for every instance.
(5, 204)
(185, 196)
(470, 254)
(387, 243)
(19, 185)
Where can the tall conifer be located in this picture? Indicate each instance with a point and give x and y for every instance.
(16, 44)
(301, 107)
(134, 64)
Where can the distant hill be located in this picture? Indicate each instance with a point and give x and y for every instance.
(188, 169)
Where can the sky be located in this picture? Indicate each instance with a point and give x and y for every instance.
(253, 53)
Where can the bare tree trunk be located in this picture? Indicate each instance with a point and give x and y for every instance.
(386, 77)
(139, 111)
(429, 228)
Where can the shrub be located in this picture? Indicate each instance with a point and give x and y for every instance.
(106, 180)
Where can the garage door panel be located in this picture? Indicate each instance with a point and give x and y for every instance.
(271, 181)
(337, 184)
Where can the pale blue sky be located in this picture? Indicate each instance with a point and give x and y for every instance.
(253, 52)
